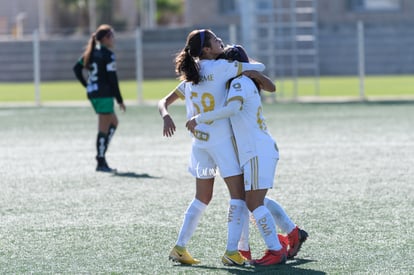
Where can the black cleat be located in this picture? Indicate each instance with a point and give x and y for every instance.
(103, 166)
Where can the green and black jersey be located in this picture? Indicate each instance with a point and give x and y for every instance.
(102, 80)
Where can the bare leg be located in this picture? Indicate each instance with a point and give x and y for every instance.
(204, 190)
(255, 198)
(235, 185)
(106, 120)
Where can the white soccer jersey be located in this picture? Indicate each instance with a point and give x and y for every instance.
(210, 94)
(249, 125)
(180, 91)
(205, 160)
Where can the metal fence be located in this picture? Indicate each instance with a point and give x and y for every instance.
(386, 49)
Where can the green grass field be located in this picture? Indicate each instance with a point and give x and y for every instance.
(376, 86)
(345, 175)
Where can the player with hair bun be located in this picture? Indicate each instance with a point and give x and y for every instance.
(101, 87)
(258, 155)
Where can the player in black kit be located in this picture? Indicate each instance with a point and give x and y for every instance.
(101, 87)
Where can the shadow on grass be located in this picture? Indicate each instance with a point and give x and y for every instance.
(133, 175)
(288, 268)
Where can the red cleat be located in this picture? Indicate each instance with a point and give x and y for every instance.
(296, 238)
(284, 240)
(247, 254)
(272, 257)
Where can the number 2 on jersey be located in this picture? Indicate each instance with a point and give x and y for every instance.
(207, 102)
(92, 78)
(93, 73)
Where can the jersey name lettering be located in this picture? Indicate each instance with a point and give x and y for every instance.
(207, 78)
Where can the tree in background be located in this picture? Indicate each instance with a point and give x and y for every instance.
(72, 16)
(170, 12)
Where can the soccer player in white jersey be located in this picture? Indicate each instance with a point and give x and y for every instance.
(258, 156)
(204, 78)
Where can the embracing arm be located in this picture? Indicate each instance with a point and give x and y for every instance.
(255, 66)
(265, 82)
(227, 111)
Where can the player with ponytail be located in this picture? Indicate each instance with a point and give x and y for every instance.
(101, 87)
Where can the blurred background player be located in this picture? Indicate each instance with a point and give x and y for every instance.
(203, 87)
(101, 87)
(258, 156)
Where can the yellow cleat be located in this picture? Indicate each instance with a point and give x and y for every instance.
(234, 258)
(180, 255)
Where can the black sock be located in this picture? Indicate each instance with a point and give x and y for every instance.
(111, 132)
(101, 145)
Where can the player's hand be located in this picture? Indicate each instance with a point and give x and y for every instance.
(191, 124)
(169, 126)
(122, 107)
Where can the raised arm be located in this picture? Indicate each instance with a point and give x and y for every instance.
(255, 66)
(230, 69)
(265, 82)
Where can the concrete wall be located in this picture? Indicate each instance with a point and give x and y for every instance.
(58, 56)
(389, 50)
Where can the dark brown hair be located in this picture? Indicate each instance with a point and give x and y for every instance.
(185, 64)
(237, 53)
(101, 32)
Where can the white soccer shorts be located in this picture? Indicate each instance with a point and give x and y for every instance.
(205, 161)
(259, 173)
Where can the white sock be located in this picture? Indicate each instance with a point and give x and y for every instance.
(235, 223)
(267, 227)
(244, 238)
(191, 218)
(279, 215)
